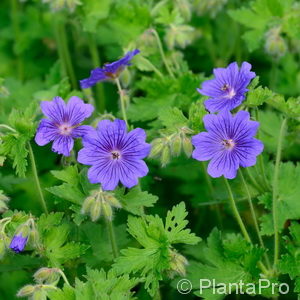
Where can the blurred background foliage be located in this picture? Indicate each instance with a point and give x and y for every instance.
(46, 46)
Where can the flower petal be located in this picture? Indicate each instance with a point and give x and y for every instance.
(63, 145)
(46, 132)
(54, 110)
(77, 110)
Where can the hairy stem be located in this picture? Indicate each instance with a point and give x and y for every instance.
(100, 95)
(122, 100)
(64, 52)
(236, 212)
(112, 238)
(260, 158)
(241, 223)
(15, 11)
(36, 178)
(162, 53)
(275, 192)
(254, 217)
(211, 190)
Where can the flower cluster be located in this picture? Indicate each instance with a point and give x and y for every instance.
(229, 142)
(109, 71)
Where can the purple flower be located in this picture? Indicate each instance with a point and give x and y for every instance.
(18, 243)
(229, 143)
(109, 71)
(115, 154)
(227, 90)
(63, 123)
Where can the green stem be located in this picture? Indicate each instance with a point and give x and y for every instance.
(64, 277)
(236, 212)
(16, 28)
(162, 53)
(112, 238)
(254, 182)
(100, 95)
(211, 190)
(240, 222)
(275, 191)
(63, 50)
(254, 217)
(260, 158)
(122, 100)
(36, 178)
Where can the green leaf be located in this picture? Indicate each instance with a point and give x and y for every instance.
(175, 224)
(135, 200)
(173, 118)
(288, 206)
(157, 254)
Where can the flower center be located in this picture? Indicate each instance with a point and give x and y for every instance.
(229, 91)
(228, 144)
(65, 129)
(115, 155)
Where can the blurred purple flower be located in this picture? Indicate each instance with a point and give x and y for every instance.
(227, 90)
(228, 144)
(115, 154)
(63, 123)
(18, 243)
(109, 71)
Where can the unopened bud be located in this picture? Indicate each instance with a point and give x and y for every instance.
(113, 201)
(95, 210)
(87, 204)
(177, 263)
(187, 146)
(275, 44)
(165, 156)
(185, 9)
(39, 294)
(46, 275)
(157, 147)
(176, 145)
(125, 77)
(107, 210)
(26, 290)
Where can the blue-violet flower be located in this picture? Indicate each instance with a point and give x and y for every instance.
(18, 243)
(63, 123)
(229, 143)
(227, 90)
(109, 71)
(115, 154)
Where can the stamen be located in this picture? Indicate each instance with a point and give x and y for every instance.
(115, 155)
(228, 144)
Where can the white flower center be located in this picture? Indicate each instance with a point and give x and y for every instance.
(230, 92)
(228, 144)
(65, 129)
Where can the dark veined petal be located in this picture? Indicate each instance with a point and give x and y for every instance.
(77, 110)
(54, 110)
(46, 132)
(63, 145)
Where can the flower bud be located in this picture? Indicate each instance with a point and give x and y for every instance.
(187, 146)
(275, 45)
(39, 294)
(125, 77)
(87, 204)
(46, 275)
(113, 201)
(165, 156)
(185, 9)
(176, 145)
(157, 147)
(95, 210)
(107, 210)
(177, 263)
(26, 290)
